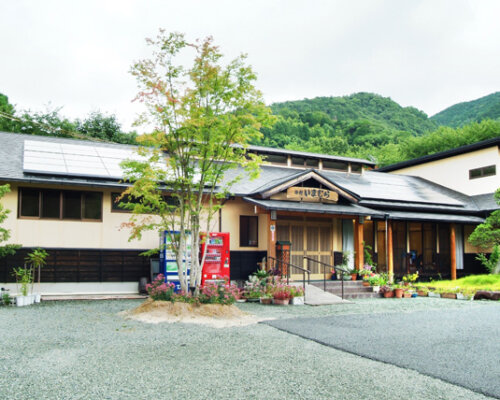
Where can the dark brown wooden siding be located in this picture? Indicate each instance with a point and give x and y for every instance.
(83, 265)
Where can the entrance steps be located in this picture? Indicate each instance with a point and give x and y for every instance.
(352, 289)
(315, 296)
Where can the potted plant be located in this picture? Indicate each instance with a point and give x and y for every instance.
(354, 274)
(254, 288)
(23, 278)
(297, 295)
(408, 279)
(422, 292)
(5, 298)
(365, 273)
(37, 259)
(374, 282)
(398, 291)
(266, 298)
(386, 291)
(281, 295)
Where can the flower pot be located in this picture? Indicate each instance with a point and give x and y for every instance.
(389, 294)
(366, 283)
(38, 297)
(354, 276)
(345, 277)
(298, 301)
(22, 301)
(433, 294)
(449, 295)
(407, 295)
(281, 302)
(422, 293)
(266, 300)
(253, 300)
(398, 293)
(376, 289)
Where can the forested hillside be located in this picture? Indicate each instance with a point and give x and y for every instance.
(368, 126)
(97, 125)
(487, 107)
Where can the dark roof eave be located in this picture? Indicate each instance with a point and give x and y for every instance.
(330, 212)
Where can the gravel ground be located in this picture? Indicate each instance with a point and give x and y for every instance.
(460, 346)
(85, 350)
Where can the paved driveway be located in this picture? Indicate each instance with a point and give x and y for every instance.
(460, 346)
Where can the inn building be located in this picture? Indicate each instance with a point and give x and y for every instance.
(63, 195)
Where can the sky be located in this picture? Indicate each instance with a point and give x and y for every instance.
(426, 54)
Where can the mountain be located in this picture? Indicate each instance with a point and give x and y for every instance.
(347, 125)
(363, 106)
(470, 111)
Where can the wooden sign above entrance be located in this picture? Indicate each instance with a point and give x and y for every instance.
(312, 195)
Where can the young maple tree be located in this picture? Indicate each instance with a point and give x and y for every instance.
(204, 115)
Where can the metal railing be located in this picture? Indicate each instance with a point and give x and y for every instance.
(282, 263)
(325, 265)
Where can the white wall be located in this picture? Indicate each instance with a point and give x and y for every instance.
(453, 172)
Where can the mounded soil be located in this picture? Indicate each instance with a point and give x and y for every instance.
(215, 315)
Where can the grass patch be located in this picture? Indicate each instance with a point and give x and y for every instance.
(467, 285)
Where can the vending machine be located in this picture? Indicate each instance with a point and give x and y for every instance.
(217, 263)
(168, 262)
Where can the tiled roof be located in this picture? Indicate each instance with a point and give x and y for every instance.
(376, 190)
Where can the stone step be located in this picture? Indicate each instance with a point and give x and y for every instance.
(352, 289)
(365, 295)
(346, 290)
(338, 286)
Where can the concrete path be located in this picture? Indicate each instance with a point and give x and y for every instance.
(92, 297)
(317, 297)
(460, 346)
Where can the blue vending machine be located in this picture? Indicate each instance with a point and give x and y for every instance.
(168, 262)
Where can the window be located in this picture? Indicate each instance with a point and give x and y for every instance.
(482, 172)
(308, 162)
(356, 168)
(275, 158)
(312, 162)
(249, 228)
(60, 204)
(334, 165)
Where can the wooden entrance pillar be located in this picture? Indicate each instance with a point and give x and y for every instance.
(271, 239)
(359, 251)
(453, 254)
(390, 253)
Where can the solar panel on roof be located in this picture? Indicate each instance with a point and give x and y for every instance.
(75, 160)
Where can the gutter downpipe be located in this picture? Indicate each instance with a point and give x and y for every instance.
(386, 217)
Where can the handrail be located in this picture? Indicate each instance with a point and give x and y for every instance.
(342, 271)
(304, 271)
